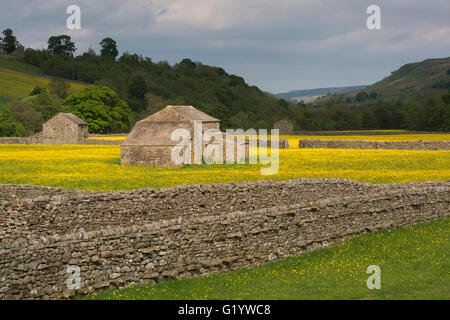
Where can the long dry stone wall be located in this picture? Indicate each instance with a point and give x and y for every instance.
(150, 235)
(361, 144)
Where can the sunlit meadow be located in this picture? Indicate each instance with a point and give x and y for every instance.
(98, 167)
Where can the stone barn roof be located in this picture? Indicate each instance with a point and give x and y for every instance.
(157, 129)
(75, 119)
(71, 117)
(175, 113)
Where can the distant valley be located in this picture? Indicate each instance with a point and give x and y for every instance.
(312, 94)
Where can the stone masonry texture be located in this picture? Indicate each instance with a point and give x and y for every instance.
(149, 235)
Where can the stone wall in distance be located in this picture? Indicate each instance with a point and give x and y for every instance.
(362, 144)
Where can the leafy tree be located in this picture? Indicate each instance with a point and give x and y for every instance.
(59, 87)
(26, 115)
(109, 48)
(61, 45)
(348, 100)
(369, 121)
(36, 57)
(240, 121)
(44, 103)
(373, 95)
(446, 98)
(101, 108)
(9, 42)
(138, 88)
(136, 93)
(9, 127)
(37, 90)
(154, 103)
(236, 81)
(362, 96)
(222, 113)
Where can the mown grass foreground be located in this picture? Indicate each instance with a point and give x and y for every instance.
(98, 167)
(413, 262)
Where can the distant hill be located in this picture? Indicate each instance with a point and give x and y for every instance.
(408, 82)
(310, 94)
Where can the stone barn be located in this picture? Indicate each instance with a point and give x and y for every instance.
(65, 128)
(150, 142)
(285, 126)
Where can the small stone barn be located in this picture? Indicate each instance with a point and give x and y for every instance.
(285, 126)
(65, 128)
(150, 143)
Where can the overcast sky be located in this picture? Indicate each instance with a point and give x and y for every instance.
(278, 45)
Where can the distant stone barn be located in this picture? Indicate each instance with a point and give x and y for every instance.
(285, 126)
(150, 142)
(65, 128)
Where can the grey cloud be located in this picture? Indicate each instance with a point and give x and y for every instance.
(277, 45)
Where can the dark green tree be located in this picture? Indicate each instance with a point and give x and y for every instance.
(61, 45)
(44, 103)
(109, 48)
(446, 98)
(27, 115)
(9, 127)
(138, 88)
(361, 97)
(101, 108)
(373, 95)
(136, 93)
(37, 90)
(9, 42)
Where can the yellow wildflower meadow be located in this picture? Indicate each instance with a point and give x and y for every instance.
(98, 167)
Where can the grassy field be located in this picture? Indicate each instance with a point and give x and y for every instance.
(15, 84)
(98, 167)
(413, 261)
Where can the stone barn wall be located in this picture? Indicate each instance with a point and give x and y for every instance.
(150, 235)
(62, 130)
(361, 144)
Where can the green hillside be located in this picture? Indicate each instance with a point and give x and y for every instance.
(15, 61)
(16, 84)
(408, 82)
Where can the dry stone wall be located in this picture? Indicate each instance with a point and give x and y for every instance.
(360, 144)
(34, 139)
(150, 235)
